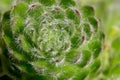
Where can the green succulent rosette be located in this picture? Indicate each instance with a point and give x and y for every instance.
(51, 40)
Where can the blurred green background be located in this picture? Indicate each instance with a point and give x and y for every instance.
(108, 12)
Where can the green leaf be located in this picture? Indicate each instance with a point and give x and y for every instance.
(93, 45)
(95, 65)
(94, 23)
(66, 3)
(86, 55)
(87, 30)
(20, 9)
(47, 2)
(82, 74)
(73, 14)
(88, 11)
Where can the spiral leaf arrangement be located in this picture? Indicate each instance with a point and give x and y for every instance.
(51, 40)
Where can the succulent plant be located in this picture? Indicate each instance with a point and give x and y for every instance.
(51, 40)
